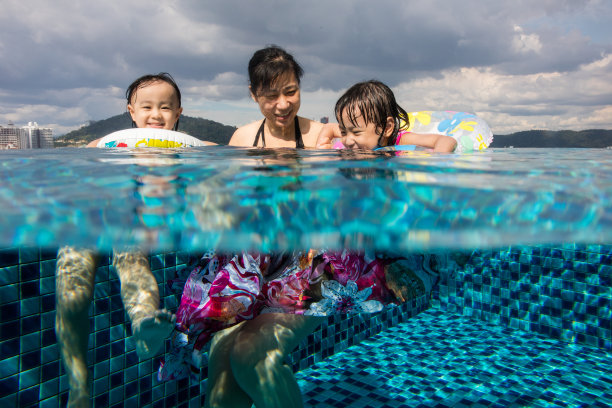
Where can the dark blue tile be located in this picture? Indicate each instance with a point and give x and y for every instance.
(9, 385)
(10, 348)
(30, 360)
(106, 259)
(28, 397)
(29, 289)
(102, 353)
(131, 389)
(117, 317)
(170, 260)
(145, 398)
(48, 337)
(48, 253)
(9, 257)
(48, 303)
(131, 358)
(157, 262)
(102, 305)
(29, 271)
(116, 379)
(117, 348)
(50, 371)
(10, 311)
(102, 337)
(145, 383)
(30, 324)
(101, 400)
(9, 330)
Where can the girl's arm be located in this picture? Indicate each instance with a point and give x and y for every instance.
(439, 143)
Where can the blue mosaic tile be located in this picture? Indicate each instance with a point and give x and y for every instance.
(9, 365)
(457, 361)
(29, 397)
(9, 275)
(563, 292)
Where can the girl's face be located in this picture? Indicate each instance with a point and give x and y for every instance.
(362, 135)
(155, 105)
(280, 103)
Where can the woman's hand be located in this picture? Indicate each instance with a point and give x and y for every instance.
(329, 132)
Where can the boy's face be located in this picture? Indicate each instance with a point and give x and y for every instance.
(155, 105)
(361, 135)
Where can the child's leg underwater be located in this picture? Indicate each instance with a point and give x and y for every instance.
(140, 294)
(74, 285)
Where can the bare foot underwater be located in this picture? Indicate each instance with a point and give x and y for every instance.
(75, 279)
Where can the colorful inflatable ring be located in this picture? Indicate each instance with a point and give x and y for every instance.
(149, 137)
(471, 132)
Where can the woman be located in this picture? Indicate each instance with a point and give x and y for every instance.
(274, 83)
(247, 361)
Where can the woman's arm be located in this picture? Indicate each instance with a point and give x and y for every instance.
(328, 133)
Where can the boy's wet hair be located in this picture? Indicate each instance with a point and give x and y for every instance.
(270, 63)
(148, 79)
(375, 102)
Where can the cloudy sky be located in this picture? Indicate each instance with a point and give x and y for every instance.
(520, 64)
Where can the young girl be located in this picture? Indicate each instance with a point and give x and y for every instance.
(370, 118)
(153, 101)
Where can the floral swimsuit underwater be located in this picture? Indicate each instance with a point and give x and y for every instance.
(223, 290)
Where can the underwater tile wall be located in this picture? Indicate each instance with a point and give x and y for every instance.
(561, 291)
(31, 373)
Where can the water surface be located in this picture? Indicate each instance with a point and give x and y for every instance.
(271, 199)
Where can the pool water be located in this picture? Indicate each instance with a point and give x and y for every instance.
(528, 322)
(232, 198)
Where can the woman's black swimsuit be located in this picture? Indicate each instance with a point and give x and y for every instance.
(299, 144)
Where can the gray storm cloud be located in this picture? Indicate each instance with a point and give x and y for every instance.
(63, 63)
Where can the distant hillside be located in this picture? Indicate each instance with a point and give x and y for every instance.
(593, 138)
(203, 129)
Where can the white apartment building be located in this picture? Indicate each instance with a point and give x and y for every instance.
(26, 137)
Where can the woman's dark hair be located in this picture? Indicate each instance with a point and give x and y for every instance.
(148, 79)
(269, 63)
(375, 102)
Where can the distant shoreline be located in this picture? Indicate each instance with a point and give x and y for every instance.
(592, 138)
(209, 130)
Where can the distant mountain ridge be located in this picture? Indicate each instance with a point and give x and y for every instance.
(202, 129)
(592, 138)
(216, 132)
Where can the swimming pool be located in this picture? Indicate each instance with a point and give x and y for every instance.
(538, 219)
(231, 198)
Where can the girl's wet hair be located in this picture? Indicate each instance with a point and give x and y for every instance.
(148, 79)
(375, 102)
(268, 64)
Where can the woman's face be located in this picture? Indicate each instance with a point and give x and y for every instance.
(280, 103)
